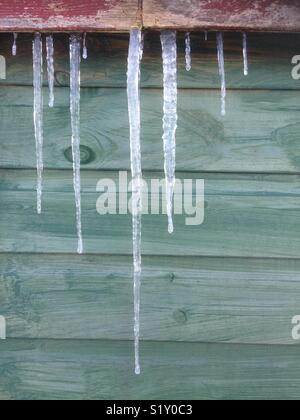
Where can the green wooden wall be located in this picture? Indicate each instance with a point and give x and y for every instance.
(217, 299)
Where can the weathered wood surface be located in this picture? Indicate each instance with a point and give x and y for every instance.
(245, 216)
(42, 369)
(69, 15)
(183, 299)
(46, 292)
(270, 61)
(259, 134)
(121, 15)
(263, 15)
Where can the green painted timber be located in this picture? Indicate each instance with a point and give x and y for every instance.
(245, 216)
(183, 299)
(259, 134)
(68, 369)
(232, 282)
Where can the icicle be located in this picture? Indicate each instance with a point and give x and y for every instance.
(14, 47)
(133, 92)
(85, 50)
(142, 46)
(75, 59)
(50, 68)
(221, 61)
(169, 52)
(188, 57)
(245, 54)
(38, 113)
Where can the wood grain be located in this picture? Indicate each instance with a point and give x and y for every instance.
(183, 299)
(68, 15)
(234, 280)
(101, 370)
(258, 15)
(245, 216)
(270, 61)
(259, 134)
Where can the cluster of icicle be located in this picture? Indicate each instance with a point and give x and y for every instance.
(170, 118)
(221, 62)
(75, 59)
(78, 47)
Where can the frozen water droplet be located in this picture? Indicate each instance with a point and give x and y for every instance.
(188, 57)
(75, 59)
(50, 68)
(221, 62)
(38, 113)
(14, 47)
(133, 91)
(245, 54)
(85, 50)
(169, 53)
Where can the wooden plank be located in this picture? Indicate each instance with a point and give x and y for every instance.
(183, 299)
(43, 370)
(258, 15)
(245, 216)
(259, 134)
(68, 15)
(120, 15)
(270, 61)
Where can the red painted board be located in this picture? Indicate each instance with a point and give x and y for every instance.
(68, 15)
(121, 15)
(250, 15)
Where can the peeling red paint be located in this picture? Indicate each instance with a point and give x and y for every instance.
(121, 15)
(67, 15)
(43, 9)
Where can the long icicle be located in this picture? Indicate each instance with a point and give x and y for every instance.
(84, 49)
(133, 92)
(245, 54)
(38, 113)
(221, 61)
(169, 53)
(75, 60)
(14, 47)
(50, 68)
(188, 51)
